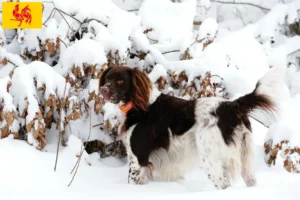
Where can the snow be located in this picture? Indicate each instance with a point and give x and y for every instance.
(13, 60)
(121, 25)
(287, 128)
(51, 30)
(85, 51)
(107, 178)
(112, 113)
(5, 97)
(229, 58)
(24, 91)
(167, 18)
(2, 37)
(247, 41)
(208, 29)
(269, 26)
(157, 72)
(28, 40)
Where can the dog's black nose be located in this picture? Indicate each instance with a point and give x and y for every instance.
(104, 90)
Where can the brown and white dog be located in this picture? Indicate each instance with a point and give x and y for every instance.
(170, 136)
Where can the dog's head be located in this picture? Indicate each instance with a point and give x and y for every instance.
(125, 84)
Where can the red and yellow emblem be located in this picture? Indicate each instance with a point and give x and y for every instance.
(22, 15)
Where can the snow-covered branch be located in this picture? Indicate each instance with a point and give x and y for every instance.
(241, 3)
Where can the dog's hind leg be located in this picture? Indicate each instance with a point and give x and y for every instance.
(216, 159)
(247, 160)
(217, 173)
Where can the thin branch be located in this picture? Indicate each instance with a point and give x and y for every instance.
(89, 20)
(259, 122)
(80, 156)
(76, 168)
(293, 52)
(155, 41)
(97, 125)
(12, 63)
(133, 10)
(60, 12)
(12, 71)
(57, 151)
(69, 15)
(239, 15)
(49, 16)
(241, 3)
(49, 2)
(175, 51)
(60, 126)
(63, 42)
(196, 40)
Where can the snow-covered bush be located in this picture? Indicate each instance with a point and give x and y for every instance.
(189, 48)
(8, 118)
(38, 91)
(282, 143)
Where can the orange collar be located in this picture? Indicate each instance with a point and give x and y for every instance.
(126, 107)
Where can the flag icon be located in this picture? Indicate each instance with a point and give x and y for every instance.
(27, 15)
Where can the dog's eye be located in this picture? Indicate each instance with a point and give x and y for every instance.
(120, 82)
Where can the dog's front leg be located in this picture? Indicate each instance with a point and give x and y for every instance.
(137, 173)
(134, 176)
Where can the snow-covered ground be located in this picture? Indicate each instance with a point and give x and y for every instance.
(28, 174)
(235, 41)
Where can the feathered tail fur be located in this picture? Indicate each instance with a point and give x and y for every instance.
(234, 113)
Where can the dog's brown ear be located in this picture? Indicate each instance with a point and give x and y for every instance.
(102, 77)
(141, 89)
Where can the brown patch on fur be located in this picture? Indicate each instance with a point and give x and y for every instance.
(233, 113)
(141, 89)
(102, 77)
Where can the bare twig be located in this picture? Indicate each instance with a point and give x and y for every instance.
(63, 42)
(89, 20)
(12, 63)
(60, 12)
(76, 168)
(196, 40)
(133, 10)
(97, 125)
(49, 2)
(239, 15)
(259, 122)
(69, 15)
(60, 126)
(155, 41)
(12, 71)
(57, 151)
(290, 53)
(174, 51)
(241, 3)
(80, 156)
(49, 16)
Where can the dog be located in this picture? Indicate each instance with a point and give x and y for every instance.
(169, 136)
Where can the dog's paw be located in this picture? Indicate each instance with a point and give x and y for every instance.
(136, 180)
(251, 182)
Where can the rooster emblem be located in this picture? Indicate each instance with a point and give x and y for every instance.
(24, 15)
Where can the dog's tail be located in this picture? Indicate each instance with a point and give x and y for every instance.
(234, 113)
(261, 98)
